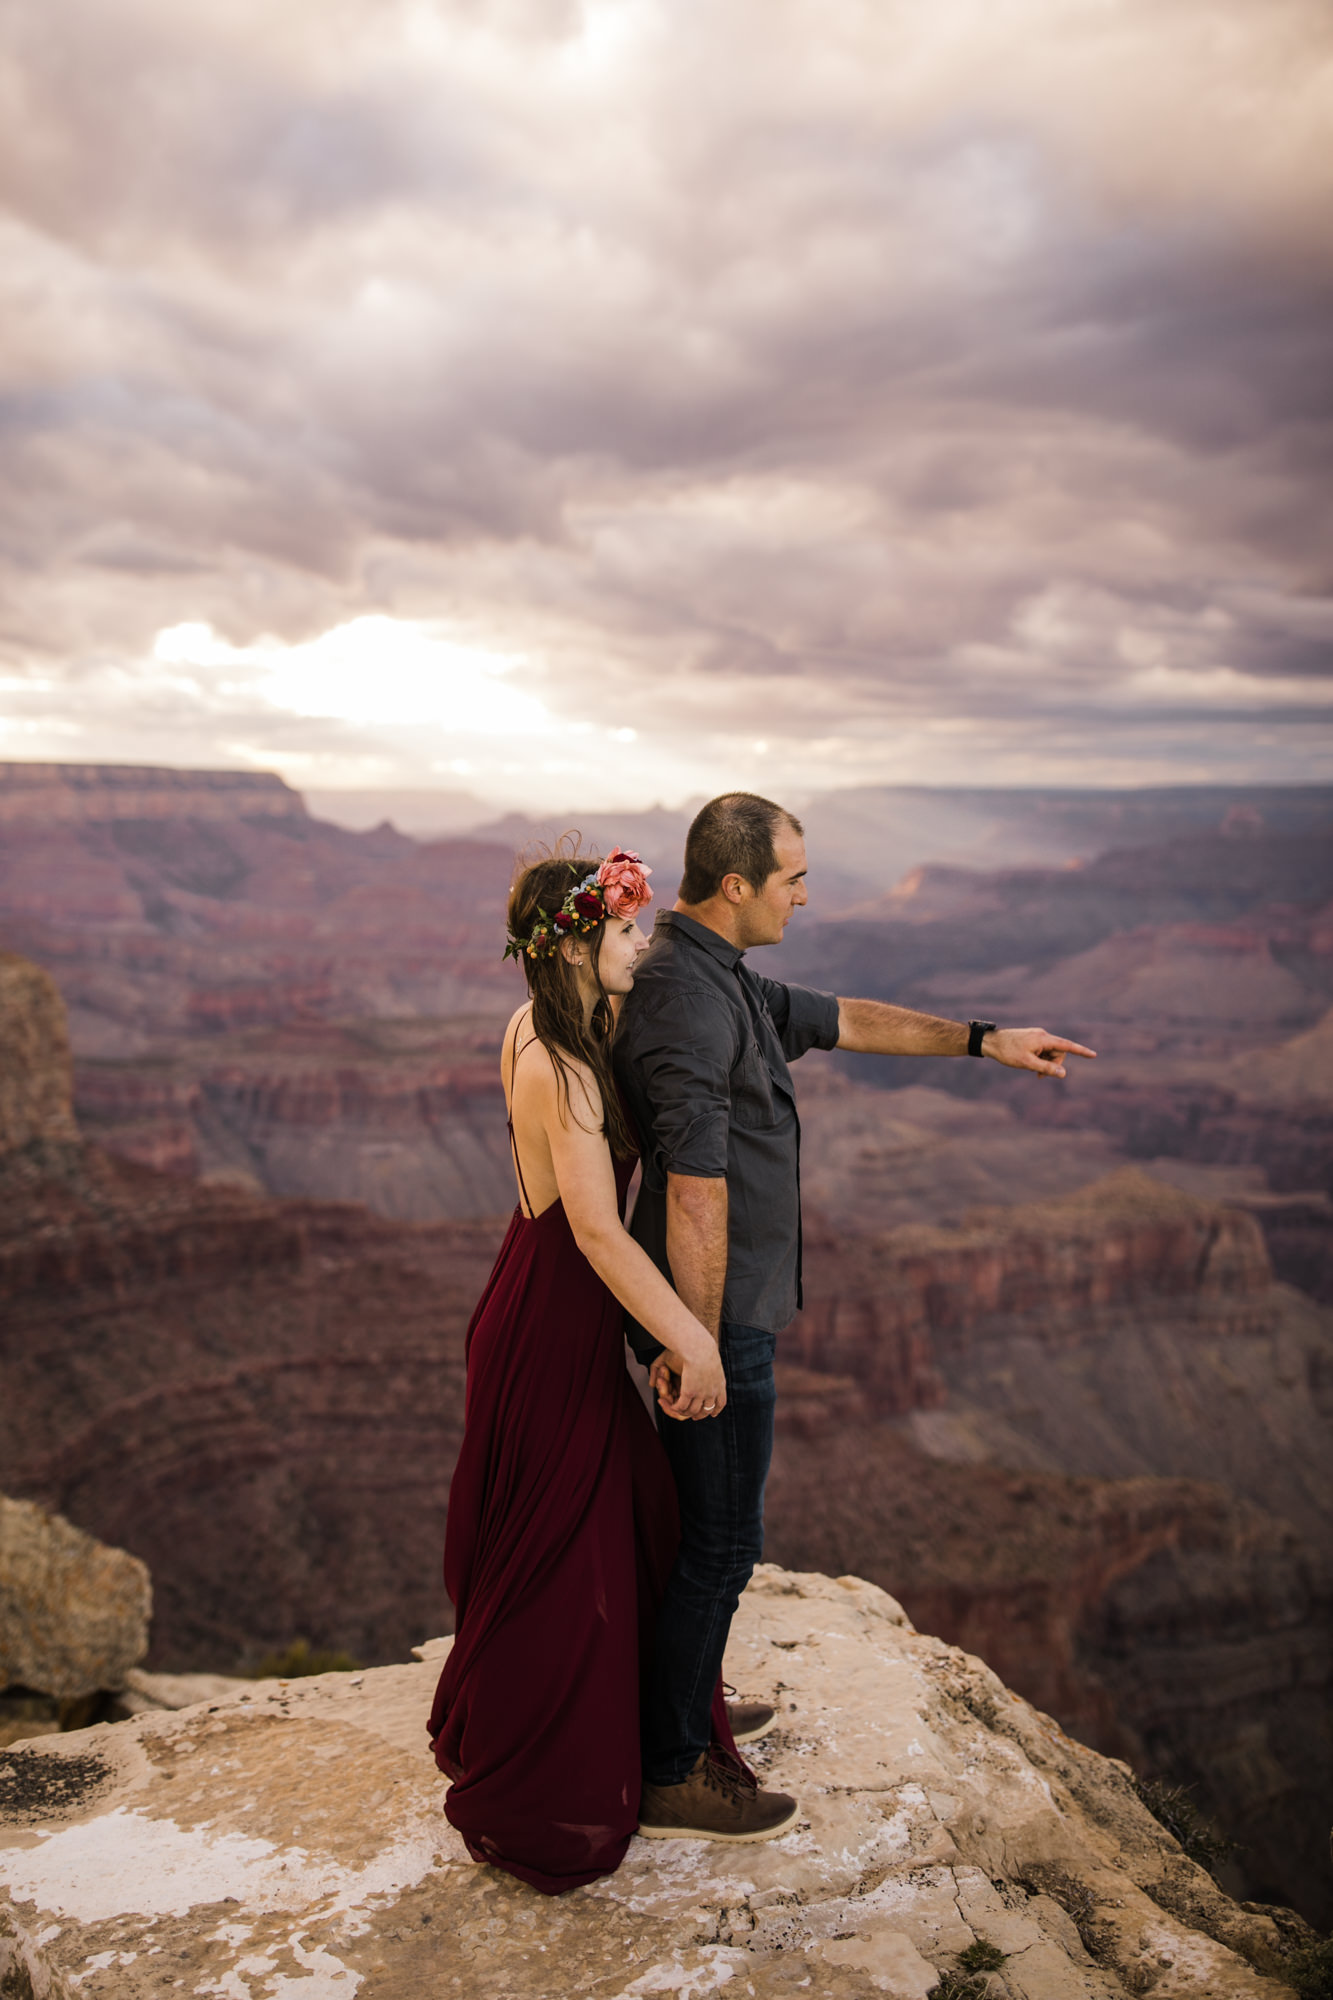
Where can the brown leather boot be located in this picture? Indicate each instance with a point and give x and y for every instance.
(750, 1720)
(714, 1804)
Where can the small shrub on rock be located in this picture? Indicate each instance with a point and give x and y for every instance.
(983, 1956)
(1172, 1807)
(972, 1979)
(1310, 1970)
(300, 1659)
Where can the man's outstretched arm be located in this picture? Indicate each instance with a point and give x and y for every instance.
(874, 1028)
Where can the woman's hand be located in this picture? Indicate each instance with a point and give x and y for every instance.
(690, 1386)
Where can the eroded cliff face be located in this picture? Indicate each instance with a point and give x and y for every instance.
(35, 1080)
(262, 1400)
(406, 1116)
(1094, 1441)
(1163, 1620)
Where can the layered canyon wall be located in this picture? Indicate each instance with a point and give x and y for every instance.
(1092, 1440)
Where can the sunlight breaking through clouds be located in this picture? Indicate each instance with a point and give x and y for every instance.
(375, 670)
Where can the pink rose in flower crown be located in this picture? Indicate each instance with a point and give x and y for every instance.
(623, 881)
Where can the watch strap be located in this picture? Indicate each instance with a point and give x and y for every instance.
(976, 1032)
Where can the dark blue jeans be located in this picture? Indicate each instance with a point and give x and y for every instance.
(720, 1465)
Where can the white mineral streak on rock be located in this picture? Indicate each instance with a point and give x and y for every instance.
(287, 1843)
(127, 1862)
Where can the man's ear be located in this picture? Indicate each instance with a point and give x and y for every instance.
(733, 887)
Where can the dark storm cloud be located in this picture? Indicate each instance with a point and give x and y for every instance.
(721, 362)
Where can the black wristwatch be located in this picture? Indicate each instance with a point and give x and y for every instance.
(976, 1031)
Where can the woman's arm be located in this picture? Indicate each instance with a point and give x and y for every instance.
(585, 1176)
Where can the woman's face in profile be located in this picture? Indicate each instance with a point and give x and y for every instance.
(622, 942)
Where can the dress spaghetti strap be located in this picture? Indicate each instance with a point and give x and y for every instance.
(513, 1142)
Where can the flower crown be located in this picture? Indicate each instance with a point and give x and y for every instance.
(619, 888)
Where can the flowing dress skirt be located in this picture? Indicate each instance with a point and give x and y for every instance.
(561, 1534)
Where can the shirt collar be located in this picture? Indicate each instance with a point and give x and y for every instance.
(724, 952)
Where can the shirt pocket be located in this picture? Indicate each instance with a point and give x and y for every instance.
(752, 1091)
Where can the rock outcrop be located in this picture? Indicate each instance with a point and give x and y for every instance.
(73, 1613)
(291, 1838)
(35, 1083)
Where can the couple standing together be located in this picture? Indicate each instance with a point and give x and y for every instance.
(596, 1558)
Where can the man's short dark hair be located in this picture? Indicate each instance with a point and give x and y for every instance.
(733, 835)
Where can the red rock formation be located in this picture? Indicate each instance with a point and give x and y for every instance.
(1128, 1330)
(50, 794)
(262, 1400)
(174, 903)
(889, 1309)
(1160, 1620)
(407, 1116)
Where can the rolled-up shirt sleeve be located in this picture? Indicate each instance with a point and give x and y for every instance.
(683, 1054)
(804, 1018)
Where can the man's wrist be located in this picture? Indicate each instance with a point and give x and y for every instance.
(977, 1034)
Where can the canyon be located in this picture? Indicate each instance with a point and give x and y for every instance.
(262, 1400)
(1049, 1387)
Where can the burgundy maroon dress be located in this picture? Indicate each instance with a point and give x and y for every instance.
(561, 1533)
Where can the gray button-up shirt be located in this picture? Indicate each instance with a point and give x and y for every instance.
(701, 1055)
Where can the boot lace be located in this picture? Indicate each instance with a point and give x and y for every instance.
(734, 1786)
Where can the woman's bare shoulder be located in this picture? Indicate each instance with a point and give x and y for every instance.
(543, 1080)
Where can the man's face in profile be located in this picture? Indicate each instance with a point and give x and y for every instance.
(766, 912)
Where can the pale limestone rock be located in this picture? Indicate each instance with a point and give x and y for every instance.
(288, 1840)
(73, 1613)
(144, 1692)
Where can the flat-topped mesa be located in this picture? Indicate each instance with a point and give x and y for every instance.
(141, 791)
(36, 1079)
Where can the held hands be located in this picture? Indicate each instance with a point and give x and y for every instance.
(689, 1389)
(1032, 1048)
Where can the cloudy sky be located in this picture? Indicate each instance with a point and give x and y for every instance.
(623, 398)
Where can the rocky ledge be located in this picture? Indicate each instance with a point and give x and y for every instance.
(289, 1839)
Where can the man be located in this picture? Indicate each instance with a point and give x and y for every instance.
(701, 1054)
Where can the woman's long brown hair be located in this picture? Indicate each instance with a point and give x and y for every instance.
(557, 1007)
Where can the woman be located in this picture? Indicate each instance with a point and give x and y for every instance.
(562, 1514)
